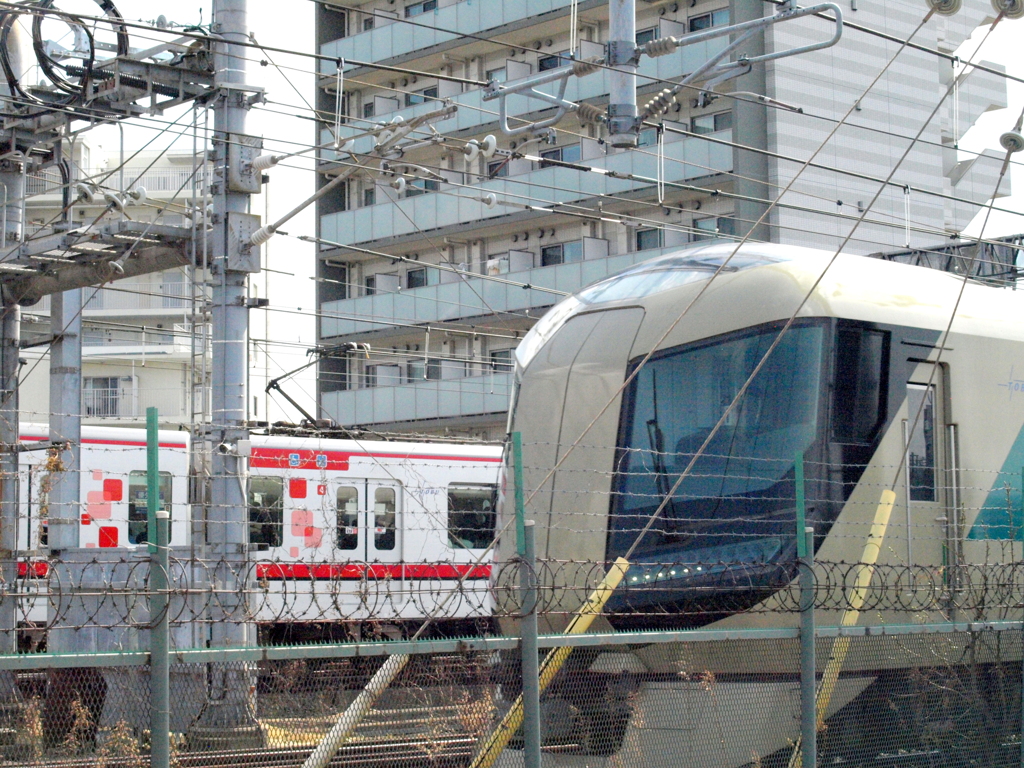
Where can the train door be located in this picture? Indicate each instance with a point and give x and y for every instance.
(369, 521)
(383, 522)
(927, 450)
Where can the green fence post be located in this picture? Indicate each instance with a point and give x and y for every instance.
(808, 683)
(159, 632)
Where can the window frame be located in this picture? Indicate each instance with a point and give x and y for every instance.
(277, 526)
(420, 272)
(644, 231)
(134, 518)
(423, 6)
(481, 533)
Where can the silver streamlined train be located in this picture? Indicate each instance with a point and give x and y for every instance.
(857, 386)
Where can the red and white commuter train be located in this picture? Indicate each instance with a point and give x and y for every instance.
(339, 530)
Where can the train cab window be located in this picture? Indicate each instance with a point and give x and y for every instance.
(861, 372)
(384, 519)
(348, 518)
(266, 511)
(471, 515)
(921, 441)
(138, 510)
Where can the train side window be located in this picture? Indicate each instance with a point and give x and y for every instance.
(138, 509)
(266, 511)
(861, 375)
(471, 515)
(921, 442)
(348, 518)
(384, 519)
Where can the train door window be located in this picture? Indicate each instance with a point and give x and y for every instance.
(348, 518)
(384, 518)
(138, 509)
(471, 515)
(266, 511)
(861, 372)
(921, 442)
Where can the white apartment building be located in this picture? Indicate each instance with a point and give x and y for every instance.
(440, 345)
(137, 344)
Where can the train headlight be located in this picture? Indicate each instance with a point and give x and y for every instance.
(544, 329)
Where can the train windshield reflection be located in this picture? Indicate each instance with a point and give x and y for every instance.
(740, 490)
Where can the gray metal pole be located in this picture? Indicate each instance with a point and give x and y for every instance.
(227, 530)
(750, 130)
(530, 662)
(13, 181)
(159, 637)
(65, 418)
(622, 128)
(808, 685)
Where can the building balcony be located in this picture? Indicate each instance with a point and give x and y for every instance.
(445, 398)
(160, 182)
(129, 403)
(470, 17)
(472, 296)
(474, 112)
(131, 297)
(685, 160)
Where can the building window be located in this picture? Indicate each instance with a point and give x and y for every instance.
(497, 168)
(648, 137)
(647, 239)
(415, 9)
(563, 253)
(416, 278)
(471, 515)
(708, 20)
(501, 360)
(421, 187)
(645, 36)
(496, 75)
(348, 518)
(370, 376)
(720, 121)
(712, 227)
(418, 97)
(266, 511)
(368, 109)
(102, 396)
(553, 61)
(138, 503)
(369, 196)
(370, 285)
(433, 370)
(570, 153)
(368, 24)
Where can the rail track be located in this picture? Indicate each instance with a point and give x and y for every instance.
(440, 753)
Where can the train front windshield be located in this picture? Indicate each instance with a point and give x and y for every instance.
(736, 503)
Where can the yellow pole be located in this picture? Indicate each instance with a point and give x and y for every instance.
(553, 662)
(865, 570)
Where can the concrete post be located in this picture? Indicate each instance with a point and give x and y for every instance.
(65, 419)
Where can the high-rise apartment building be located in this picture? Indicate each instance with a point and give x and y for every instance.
(440, 344)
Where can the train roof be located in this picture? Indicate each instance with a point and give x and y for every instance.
(765, 283)
(123, 436)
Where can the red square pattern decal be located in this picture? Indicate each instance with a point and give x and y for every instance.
(321, 490)
(108, 536)
(113, 490)
(297, 487)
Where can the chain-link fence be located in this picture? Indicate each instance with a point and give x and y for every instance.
(918, 695)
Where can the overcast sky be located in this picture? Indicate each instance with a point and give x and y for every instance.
(290, 25)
